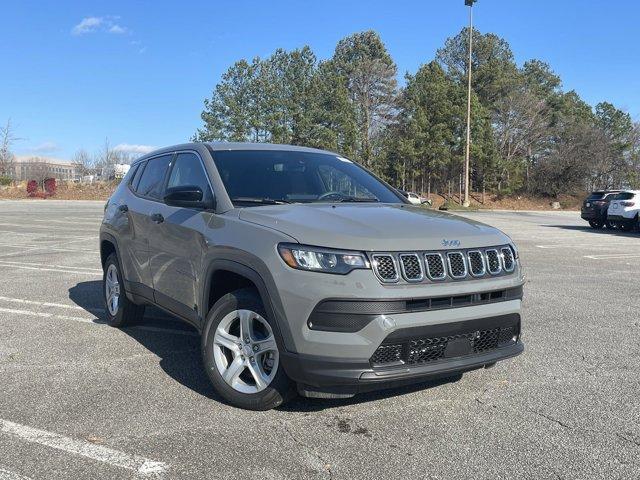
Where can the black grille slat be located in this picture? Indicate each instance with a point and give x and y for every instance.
(457, 265)
(507, 259)
(411, 267)
(435, 266)
(493, 262)
(430, 349)
(476, 263)
(387, 354)
(385, 267)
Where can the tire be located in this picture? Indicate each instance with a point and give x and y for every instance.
(123, 311)
(228, 353)
(609, 225)
(627, 226)
(595, 224)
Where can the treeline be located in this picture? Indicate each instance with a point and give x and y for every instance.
(528, 134)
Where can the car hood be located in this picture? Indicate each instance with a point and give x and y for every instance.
(374, 227)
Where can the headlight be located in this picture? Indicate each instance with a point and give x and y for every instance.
(326, 260)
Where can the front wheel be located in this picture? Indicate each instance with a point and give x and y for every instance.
(596, 224)
(241, 355)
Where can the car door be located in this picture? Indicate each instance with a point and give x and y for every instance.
(177, 243)
(145, 194)
(132, 242)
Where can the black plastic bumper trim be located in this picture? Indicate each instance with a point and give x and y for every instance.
(350, 316)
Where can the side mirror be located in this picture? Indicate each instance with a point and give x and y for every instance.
(187, 196)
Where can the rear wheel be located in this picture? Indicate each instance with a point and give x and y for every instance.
(120, 310)
(628, 225)
(240, 353)
(597, 224)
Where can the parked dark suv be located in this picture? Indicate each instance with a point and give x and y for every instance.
(303, 271)
(594, 208)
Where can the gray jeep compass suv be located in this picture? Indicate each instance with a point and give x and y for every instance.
(304, 272)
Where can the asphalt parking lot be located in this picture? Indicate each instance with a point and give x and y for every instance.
(79, 399)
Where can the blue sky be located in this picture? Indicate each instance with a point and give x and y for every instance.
(78, 72)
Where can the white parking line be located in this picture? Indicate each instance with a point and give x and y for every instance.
(94, 321)
(42, 269)
(47, 265)
(143, 467)
(46, 315)
(612, 256)
(50, 304)
(9, 475)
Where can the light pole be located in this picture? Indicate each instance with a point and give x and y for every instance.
(468, 3)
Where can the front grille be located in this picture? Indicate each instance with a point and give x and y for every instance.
(493, 262)
(476, 263)
(457, 265)
(443, 265)
(507, 259)
(435, 266)
(387, 354)
(422, 350)
(411, 267)
(385, 267)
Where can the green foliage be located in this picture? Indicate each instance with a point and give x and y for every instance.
(528, 135)
(5, 181)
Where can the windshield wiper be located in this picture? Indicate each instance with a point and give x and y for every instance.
(359, 199)
(260, 201)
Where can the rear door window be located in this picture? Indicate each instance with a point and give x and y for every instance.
(151, 184)
(624, 196)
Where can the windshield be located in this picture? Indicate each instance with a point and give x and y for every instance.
(271, 177)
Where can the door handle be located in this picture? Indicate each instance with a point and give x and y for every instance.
(157, 218)
(123, 208)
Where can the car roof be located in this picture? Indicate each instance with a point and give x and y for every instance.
(228, 146)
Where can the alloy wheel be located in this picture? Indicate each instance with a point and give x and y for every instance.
(112, 290)
(245, 351)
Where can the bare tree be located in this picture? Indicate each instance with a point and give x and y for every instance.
(83, 162)
(7, 138)
(105, 159)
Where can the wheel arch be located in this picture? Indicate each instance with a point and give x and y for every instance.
(242, 275)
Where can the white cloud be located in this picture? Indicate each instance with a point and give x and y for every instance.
(117, 29)
(45, 147)
(99, 24)
(135, 149)
(87, 25)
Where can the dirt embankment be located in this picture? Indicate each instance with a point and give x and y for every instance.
(102, 191)
(64, 191)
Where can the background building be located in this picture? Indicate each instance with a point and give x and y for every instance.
(28, 167)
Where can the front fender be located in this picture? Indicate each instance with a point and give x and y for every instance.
(254, 269)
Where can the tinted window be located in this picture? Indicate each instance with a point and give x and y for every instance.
(137, 175)
(624, 196)
(188, 171)
(596, 196)
(151, 182)
(298, 177)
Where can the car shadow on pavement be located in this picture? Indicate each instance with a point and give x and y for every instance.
(178, 347)
(175, 343)
(603, 231)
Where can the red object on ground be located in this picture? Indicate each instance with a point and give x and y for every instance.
(32, 188)
(50, 186)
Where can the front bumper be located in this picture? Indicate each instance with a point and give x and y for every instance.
(337, 377)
